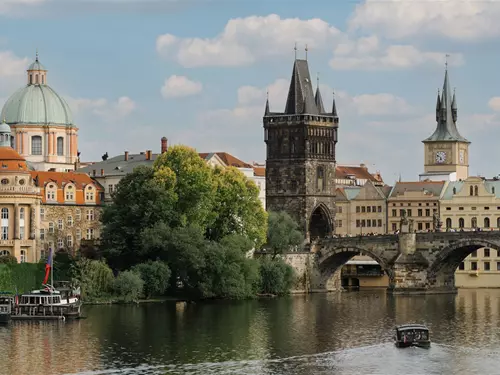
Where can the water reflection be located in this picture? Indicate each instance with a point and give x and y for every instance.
(345, 333)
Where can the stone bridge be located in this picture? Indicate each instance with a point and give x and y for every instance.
(414, 262)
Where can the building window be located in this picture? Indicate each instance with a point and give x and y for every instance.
(379, 208)
(69, 240)
(420, 226)
(70, 193)
(60, 146)
(474, 254)
(339, 209)
(473, 222)
(427, 212)
(486, 266)
(36, 145)
(394, 227)
(363, 209)
(90, 215)
(69, 221)
(31, 79)
(486, 208)
(409, 213)
(368, 209)
(358, 209)
(4, 253)
(419, 212)
(498, 222)
(51, 227)
(427, 225)
(454, 190)
(461, 267)
(493, 190)
(394, 213)
(60, 243)
(339, 223)
(358, 223)
(320, 177)
(110, 188)
(78, 214)
(78, 234)
(498, 266)
(448, 208)
(89, 194)
(486, 222)
(448, 223)
(380, 223)
(473, 266)
(461, 223)
(42, 213)
(21, 232)
(471, 190)
(5, 213)
(475, 190)
(90, 234)
(60, 224)
(42, 234)
(486, 252)
(23, 256)
(5, 224)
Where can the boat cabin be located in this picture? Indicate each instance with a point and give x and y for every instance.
(412, 335)
(36, 299)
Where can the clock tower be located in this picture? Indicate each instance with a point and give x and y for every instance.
(446, 151)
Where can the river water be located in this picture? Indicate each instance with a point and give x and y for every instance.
(338, 333)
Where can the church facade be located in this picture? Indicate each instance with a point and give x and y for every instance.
(300, 160)
(44, 204)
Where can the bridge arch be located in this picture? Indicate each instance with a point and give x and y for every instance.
(441, 272)
(320, 222)
(330, 262)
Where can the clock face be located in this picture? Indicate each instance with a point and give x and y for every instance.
(461, 156)
(440, 157)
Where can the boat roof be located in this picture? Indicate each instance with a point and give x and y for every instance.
(404, 327)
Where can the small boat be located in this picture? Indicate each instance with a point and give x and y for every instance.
(48, 303)
(412, 335)
(6, 303)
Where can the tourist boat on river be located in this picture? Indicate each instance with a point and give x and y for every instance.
(412, 335)
(6, 304)
(48, 303)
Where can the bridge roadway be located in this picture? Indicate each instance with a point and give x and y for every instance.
(414, 262)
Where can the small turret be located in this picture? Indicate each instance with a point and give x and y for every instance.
(334, 109)
(5, 135)
(266, 111)
(317, 97)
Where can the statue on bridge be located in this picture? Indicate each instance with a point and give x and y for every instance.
(436, 223)
(405, 225)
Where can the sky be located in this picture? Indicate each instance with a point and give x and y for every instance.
(197, 72)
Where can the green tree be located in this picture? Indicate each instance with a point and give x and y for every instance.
(283, 233)
(238, 207)
(94, 277)
(276, 277)
(140, 201)
(194, 184)
(155, 275)
(128, 286)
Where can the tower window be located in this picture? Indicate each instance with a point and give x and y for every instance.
(320, 178)
(43, 80)
(36, 145)
(36, 79)
(60, 146)
(31, 79)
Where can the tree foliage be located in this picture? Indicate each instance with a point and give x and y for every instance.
(155, 275)
(128, 286)
(283, 233)
(94, 277)
(276, 277)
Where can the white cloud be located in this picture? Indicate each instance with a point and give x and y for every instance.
(458, 19)
(244, 40)
(180, 86)
(494, 103)
(109, 111)
(367, 53)
(381, 104)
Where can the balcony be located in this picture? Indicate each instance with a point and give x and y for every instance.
(19, 189)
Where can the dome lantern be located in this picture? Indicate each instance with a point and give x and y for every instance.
(37, 74)
(5, 135)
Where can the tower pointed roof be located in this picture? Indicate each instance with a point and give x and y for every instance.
(266, 111)
(334, 106)
(446, 129)
(300, 98)
(319, 100)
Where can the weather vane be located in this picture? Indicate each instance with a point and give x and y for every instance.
(306, 51)
(446, 61)
(295, 49)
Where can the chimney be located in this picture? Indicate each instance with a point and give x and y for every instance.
(362, 165)
(164, 145)
(126, 155)
(102, 172)
(148, 154)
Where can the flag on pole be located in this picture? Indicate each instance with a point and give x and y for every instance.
(48, 265)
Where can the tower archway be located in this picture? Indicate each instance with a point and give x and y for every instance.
(320, 223)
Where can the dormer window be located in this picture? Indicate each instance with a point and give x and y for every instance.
(69, 193)
(51, 192)
(90, 194)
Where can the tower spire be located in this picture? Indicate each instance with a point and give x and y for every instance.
(438, 106)
(334, 108)
(266, 111)
(317, 97)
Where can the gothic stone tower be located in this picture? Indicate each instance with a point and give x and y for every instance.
(300, 165)
(446, 151)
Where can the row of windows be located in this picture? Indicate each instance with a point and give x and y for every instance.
(420, 212)
(90, 235)
(472, 208)
(37, 148)
(409, 204)
(7, 253)
(90, 215)
(368, 209)
(37, 80)
(420, 226)
(474, 266)
(487, 252)
(4, 228)
(369, 223)
(473, 222)
(69, 193)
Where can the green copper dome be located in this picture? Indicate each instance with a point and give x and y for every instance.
(36, 65)
(37, 105)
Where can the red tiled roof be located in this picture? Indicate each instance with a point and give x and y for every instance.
(228, 159)
(79, 179)
(259, 171)
(342, 172)
(11, 161)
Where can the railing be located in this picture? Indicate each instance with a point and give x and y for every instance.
(20, 189)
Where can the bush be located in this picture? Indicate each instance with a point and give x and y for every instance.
(128, 286)
(94, 277)
(8, 259)
(155, 275)
(276, 277)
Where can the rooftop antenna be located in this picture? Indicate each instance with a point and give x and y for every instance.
(295, 50)
(306, 51)
(446, 61)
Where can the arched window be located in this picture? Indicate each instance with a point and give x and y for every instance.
(21, 223)
(473, 222)
(486, 222)
(454, 190)
(70, 193)
(69, 240)
(5, 224)
(4, 253)
(43, 80)
(90, 194)
(472, 190)
(448, 223)
(60, 146)
(492, 190)
(461, 223)
(320, 178)
(23, 256)
(498, 222)
(36, 79)
(475, 190)
(36, 145)
(31, 79)
(60, 243)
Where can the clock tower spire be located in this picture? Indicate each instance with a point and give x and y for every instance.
(446, 151)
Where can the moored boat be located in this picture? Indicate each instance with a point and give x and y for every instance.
(6, 303)
(412, 335)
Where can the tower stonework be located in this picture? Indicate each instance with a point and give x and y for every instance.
(300, 160)
(446, 151)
